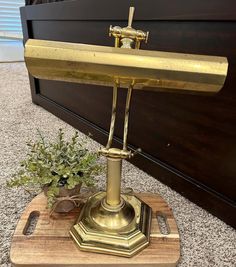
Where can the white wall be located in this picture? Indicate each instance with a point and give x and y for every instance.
(10, 29)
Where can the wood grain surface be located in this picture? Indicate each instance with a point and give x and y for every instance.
(51, 245)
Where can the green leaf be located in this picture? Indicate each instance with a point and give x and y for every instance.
(47, 162)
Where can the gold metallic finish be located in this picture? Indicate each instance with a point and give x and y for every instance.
(111, 222)
(131, 16)
(101, 65)
(137, 45)
(114, 104)
(123, 233)
(113, 181)
(109, 208)
(117, 42)
(128, 35)
(127, 43)
(113, 117)
(126, 124)
(116, 153)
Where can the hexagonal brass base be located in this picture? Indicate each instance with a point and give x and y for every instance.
(122, 232)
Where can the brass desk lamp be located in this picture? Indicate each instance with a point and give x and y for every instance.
(111, 222)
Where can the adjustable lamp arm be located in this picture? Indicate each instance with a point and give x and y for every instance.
(126, 36)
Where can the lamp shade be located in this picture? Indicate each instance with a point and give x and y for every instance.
(103, 65)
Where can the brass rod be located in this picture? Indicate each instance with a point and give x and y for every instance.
(137, 44)
(113, 181)
(126, 123)
(117, 42)
(114, 104)
(131, 15)
(113, 116)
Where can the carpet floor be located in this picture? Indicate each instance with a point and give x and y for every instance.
(205, 240)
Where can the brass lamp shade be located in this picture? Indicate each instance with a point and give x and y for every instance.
(102, 65)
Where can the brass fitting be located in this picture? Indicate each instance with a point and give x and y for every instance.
(128, 33)
(115, 153)
(118, 153)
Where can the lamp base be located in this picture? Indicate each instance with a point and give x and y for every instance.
(122, 232)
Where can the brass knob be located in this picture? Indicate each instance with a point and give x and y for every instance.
(115, 31)
(142, 36)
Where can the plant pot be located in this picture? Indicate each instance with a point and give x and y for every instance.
(65, 205)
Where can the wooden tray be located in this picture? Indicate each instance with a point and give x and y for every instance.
(51, 245)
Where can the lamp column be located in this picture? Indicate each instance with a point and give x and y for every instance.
(113, 198)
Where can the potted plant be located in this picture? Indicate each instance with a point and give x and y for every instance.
(60, 168)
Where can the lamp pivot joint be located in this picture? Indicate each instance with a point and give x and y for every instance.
(125, 37)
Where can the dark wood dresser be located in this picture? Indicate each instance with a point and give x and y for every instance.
(188, 141)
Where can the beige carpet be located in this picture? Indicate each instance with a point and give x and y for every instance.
(205, 240)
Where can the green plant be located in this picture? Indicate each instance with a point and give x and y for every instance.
(57, 164)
